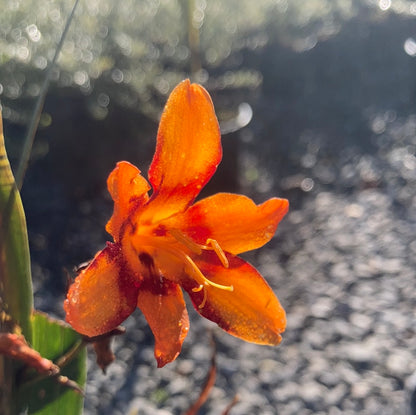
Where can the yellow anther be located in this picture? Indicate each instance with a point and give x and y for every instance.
(218, 250)
(198, 275)
(192, 267)
(211, 245)
(204, 300)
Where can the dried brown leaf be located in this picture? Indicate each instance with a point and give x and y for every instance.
(102, 347)
(231, 405)
(15, 347)
(206, 390)
(105, 355)
(71, 384)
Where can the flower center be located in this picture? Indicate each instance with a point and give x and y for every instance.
(192, 267)
(211, 245)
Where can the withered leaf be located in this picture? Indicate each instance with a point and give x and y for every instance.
(15, 346)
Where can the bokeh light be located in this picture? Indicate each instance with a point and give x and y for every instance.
(316, 101)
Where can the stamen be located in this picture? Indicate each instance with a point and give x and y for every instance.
(211, 245)
(218, 250)
(197, 289)
(199, 275)
(204, 300)
(188, 242)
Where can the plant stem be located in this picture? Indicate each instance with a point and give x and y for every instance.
(34, 122)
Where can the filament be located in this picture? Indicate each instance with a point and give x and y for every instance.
(218, 250)
(193, 269)
(204, 300)
(199, 275)
(185, 240)
(211, 245)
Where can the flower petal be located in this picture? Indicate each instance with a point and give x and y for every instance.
(251, 311)
(162, 303)
(188, 151)
(234, 221)
(103, 295)
(129, 191)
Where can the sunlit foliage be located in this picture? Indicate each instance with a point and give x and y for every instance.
(134, 51)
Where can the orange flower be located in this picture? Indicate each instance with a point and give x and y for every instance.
(163, 242)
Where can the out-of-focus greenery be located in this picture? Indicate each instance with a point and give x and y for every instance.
(135, 51)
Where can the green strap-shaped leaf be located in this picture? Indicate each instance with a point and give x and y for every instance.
(16, 298)
(53, 339)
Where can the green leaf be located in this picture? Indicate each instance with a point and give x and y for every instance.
(53, 339)
(16, 298)
(15, 277)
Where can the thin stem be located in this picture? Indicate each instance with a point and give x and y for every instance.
(27, 378)
(34, 122)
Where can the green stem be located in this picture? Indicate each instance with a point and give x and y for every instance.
(34, 122)
(193, 39)
(27, 378)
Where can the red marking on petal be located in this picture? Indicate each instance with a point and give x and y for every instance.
(251, 311)
(162, 303)
(188, 151)
(233, 220)
(103, 295)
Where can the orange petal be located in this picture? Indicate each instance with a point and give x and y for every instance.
(251, 311)
(129, 191)
(188, 151)
(234, 221)
(103, 295)
(162, 303)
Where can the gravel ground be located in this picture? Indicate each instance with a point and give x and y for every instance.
(342, 263)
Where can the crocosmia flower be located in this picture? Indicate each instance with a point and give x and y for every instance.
(165, 244)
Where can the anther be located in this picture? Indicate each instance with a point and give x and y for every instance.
(218, 250)
(197, 289)
(193, 269)
(211, 245)
(200, 276)
(204, 300)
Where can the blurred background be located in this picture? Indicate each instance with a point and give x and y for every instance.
(316, 101)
